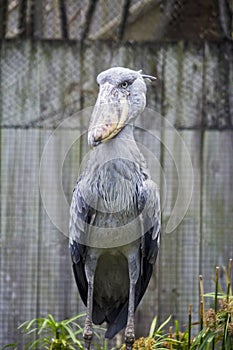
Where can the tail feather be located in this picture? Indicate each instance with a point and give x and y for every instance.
(98, 315)
(117, 320)
(116, 324)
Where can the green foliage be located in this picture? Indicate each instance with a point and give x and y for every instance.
(53, 335)
(48, 334)
(216, 325)
(216, 328)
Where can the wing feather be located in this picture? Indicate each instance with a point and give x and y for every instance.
(149, 205)
(79, 217)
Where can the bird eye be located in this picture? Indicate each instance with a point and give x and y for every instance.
(125, 84)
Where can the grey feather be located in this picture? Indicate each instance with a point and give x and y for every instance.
(115, 209)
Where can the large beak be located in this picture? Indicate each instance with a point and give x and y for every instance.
(109, 116)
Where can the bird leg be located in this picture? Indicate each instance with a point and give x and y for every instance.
(90, 267)
(133, 277)
(88, 328)
(129, 331)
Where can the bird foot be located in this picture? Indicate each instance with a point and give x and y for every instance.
(87, 335)
(129, 346)
(87, 343)
(129, 337)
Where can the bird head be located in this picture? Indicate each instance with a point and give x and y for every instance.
(121, 98)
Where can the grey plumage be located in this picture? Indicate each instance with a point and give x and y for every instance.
(115, 210)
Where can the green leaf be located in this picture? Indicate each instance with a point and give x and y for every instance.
(164, 324)
(80, 329)
(71, 320)
(27, 324)
(152, 327)
(52, 320)
(220, 295)
(35, 344)
(9, 346)
(32, 330)
(70, 332)
(43, 326)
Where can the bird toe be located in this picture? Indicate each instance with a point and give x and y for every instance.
(87, 335)
(129, 337)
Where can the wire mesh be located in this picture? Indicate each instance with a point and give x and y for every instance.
(51, 52)
(93, 19)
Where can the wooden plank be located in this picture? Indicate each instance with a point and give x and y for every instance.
(57, 292)
(217, 85)
(183, 73)
(25, 276)
(3, 19)
(230, 90)
(149, 59)
(19, 230)
(179, 256)
(19, 83)
(43, 89)
(51, 20)
(59, 83)
(89, 71)
(148, 141)
(217, 205)
(106, 20)
(148, 136)
(75, 18)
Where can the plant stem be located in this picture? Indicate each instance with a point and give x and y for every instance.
(216, 298)
(216, 289)
(201, 303)
(225, 335)
(57, 334)
(177, 330)
(170, 331)
(230, 272)
(189, 326)
(228, 292)
(228, 277)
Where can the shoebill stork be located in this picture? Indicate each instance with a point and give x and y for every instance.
(115, 210)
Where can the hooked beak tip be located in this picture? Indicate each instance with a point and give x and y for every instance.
(92, 140)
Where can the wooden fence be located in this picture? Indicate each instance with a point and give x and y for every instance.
(46, 82)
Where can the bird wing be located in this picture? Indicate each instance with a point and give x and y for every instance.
(149, 205)
(81, 214)
(80, 217)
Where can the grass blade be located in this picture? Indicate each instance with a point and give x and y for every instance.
(71, 320)
(9, 346)
(152, 327)
(164, 324)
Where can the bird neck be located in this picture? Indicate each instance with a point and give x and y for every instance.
(123, 145)
(127, 133)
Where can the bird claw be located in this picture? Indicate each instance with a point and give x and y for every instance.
(87, 343)
(87, 335)
(129, 346)
(129, 338)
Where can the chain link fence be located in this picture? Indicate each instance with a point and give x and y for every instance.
(51, 52)
(116, 20)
